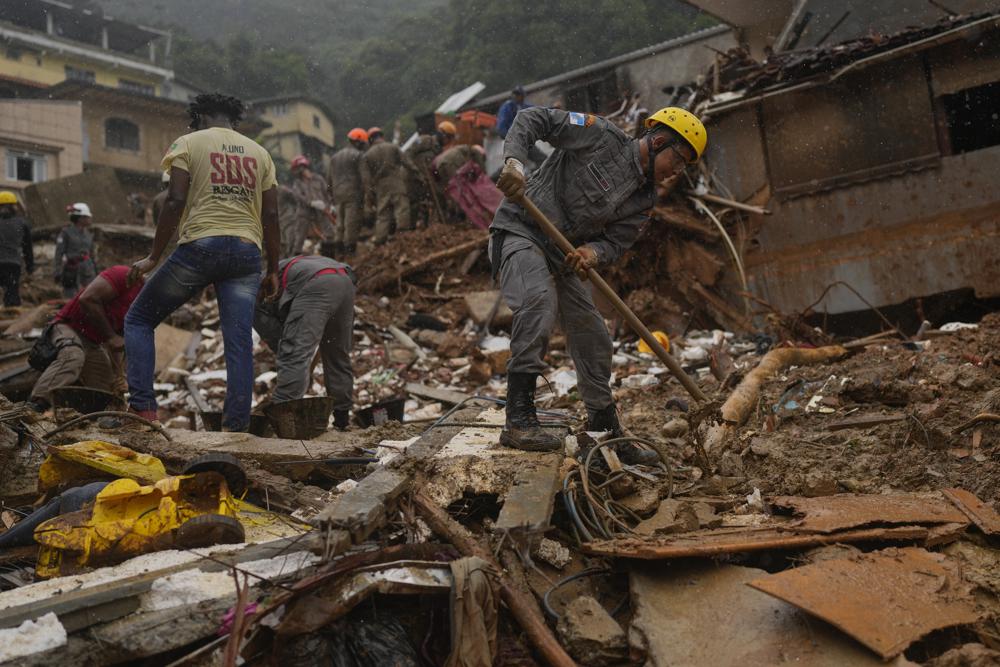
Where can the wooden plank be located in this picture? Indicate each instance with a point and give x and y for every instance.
(74, 607)
(979, 513)
(446, 396)
(724, 541)
(528, 505)
(866, 421)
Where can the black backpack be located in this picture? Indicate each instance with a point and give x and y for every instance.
(44, 351)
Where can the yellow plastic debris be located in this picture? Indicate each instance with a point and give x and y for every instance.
(68, 463)
(129, 519)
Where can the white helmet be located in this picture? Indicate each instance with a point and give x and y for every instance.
(79, 208)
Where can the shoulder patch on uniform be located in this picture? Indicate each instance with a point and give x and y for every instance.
(577, 119)
(591, 119)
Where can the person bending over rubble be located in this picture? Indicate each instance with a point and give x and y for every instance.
(595, 187)
(316, 309)
(224, 195)
(87, 335)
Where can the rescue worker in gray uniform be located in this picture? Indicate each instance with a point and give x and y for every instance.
(315, 309)
(344, 179)
(74, 267)
(596, 187)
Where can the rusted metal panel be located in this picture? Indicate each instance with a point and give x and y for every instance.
(886, 600)
(829, 135)
(740, 540)
(736, 150)
(981, 514)
(827, 514)
(892, 240)
(965, 64)
(703, 613)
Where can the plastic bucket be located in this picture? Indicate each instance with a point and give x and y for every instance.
(303, 419)
(391, 409)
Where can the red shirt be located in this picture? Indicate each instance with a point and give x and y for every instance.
(73, 315)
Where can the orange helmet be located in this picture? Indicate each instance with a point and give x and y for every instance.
(300, 161)
(357, 134)
(447, 127)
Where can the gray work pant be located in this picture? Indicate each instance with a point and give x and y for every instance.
(538, 298)
(79, 361)
(321, 315)
(349, 214)
(391, 207)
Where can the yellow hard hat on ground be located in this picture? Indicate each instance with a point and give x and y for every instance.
(7, 197)
(683, 123)
(660, 337)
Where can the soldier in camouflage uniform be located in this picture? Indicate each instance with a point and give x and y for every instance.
(383, 176)
(344, 178)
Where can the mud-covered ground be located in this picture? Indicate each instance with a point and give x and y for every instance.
(788, 446)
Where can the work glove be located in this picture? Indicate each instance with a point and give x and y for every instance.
(511, 182)
(318, 204)
(581, 259)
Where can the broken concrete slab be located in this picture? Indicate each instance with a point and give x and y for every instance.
(264, 449)
(978, 512)
(440, 394)
(480, 304)
(699, 613)
(364, 508)
(474, 461)
(591, 635)
(886, 599)
(741, 540)
(848, 510)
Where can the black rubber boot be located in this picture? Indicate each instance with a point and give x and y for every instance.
(605, 420)
(628, 452)
(522, 429)
(342, 419)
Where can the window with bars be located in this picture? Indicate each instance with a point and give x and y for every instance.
(121, 134)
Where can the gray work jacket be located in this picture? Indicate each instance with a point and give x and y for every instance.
(592, 187)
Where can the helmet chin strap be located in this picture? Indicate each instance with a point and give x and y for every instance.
(651, 154)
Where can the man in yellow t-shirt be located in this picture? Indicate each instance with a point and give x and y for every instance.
(224, 196)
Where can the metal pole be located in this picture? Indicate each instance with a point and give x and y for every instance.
(634, 322)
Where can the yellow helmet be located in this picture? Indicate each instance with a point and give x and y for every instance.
(7, 197)
(683, 123)
(447, 127)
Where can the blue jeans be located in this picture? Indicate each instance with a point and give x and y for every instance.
(233, 266)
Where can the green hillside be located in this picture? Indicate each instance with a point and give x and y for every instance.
(375, 61)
